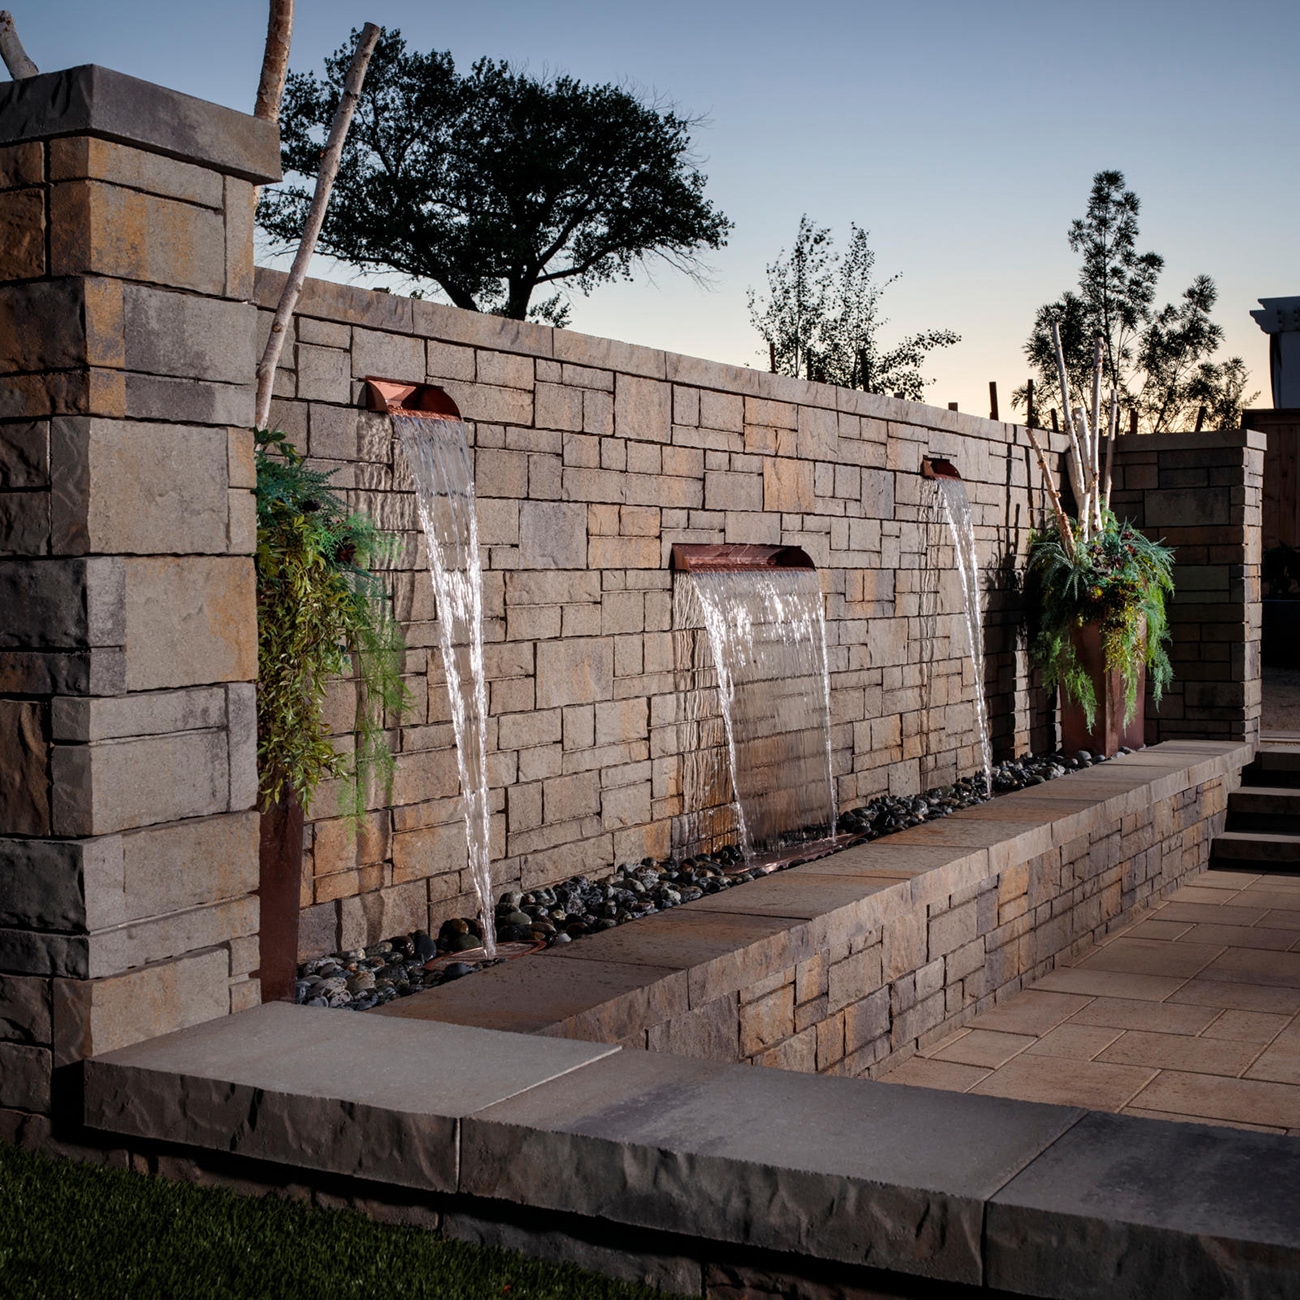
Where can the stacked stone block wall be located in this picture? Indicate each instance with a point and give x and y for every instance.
(128, 836)
(591, 459)
(1202, 494)
(914, 964)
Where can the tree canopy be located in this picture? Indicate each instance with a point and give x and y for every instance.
(821, 318)
(1161, 361)
(495, 184)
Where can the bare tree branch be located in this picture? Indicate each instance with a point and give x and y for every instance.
(11, 49)
(329, 166)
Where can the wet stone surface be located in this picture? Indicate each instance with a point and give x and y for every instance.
(409, 963)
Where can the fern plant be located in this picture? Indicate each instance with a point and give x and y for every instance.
(1117, 579)
(321, 613)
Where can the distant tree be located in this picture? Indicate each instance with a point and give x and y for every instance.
(821, 318)
(495, 184)
(1160, 361)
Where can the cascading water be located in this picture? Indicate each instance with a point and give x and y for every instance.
(767, 633)
(956, 510)
(438, 453)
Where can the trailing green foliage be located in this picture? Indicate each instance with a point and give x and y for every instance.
(1118, 580)
(84, 1232)
(321, 613)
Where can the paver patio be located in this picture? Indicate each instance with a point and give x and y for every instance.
(1190, 1013)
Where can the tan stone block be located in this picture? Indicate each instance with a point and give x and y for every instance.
(100, 229)
(568, 798)
(388, 356)
(853, 978)
(642, 408)
(726, 491)
(625, 806)
(190, 620)
(904, 943)
(621, 720)
(447, 361)
(22, 234)
(709, 1032)
(96, 1016)
(337, 845)
(87, 158)
(577, 671)
(558, 407)
(624, 553)
(432, 851)
(25, 1077)
(109, 496)
(788, 486)
(506, 369)
(767, 1020)
(21, 164)
(25, 1009)
(25, 787)
(722, 411)
(553, 535)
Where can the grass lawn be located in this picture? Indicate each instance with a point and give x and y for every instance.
(77, 1232)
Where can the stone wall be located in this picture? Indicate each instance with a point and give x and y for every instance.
(591, 459)
(128, 840)
(1202, 494)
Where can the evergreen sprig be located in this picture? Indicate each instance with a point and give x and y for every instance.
(1118, 579)
(321, 613)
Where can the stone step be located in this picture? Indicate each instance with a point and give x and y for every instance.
(1274, 765)
(1264, 808)
(1260, 848)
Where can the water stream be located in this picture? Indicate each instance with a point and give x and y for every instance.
(767, 636)
(956, 510)
(438, 453)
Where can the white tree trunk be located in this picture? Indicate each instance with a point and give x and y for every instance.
(1077, 479)
(1062, 520)
(275, 61)
(329, 166)
(11, 49)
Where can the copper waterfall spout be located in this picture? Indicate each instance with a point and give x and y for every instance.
(689, 557)
(398, 398)
(938, 467)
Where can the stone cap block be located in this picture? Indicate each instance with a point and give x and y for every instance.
(90, 100)
(861, 1172)
(361, 1095)
(1126, 1206)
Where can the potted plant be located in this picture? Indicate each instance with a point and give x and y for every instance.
(321, 613)
(1100, 589)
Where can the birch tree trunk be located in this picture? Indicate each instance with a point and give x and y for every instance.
(329, 166)
(275, 62)
(11, 49)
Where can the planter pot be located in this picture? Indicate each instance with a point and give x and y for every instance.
(1109, 730)
(279, 887)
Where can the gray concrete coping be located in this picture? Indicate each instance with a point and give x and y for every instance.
(90, 100)
(356, 1095)
(1040, 1200)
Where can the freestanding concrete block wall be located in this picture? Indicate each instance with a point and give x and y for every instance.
(130, 315)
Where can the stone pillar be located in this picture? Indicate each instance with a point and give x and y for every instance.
(128, 839)
(1279, 318)
(1201, 493)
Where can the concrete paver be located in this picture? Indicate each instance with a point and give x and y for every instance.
(1192, 1013)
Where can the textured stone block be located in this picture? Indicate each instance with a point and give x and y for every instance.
(109, 495)
(788, 485)
(96, 1016)
(193, 338)
(189, 620)
(24, 523)
(21, 164)
(578, 670)
(24, 455)
(41, 326)
(111, 786)
(25, 1076)
(25, 1009)
(552, 535)
(99, 229)
(25, 784)
(189, 864)
(22, 234)
(87, 158)
(642, 409)
(191, 401)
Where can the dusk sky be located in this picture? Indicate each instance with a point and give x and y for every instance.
(963, 136)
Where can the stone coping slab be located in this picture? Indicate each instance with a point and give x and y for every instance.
(90, 100)
(1038, 1199)
(778, 920)
(376, 1099)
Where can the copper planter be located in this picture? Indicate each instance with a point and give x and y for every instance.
(1109, 730)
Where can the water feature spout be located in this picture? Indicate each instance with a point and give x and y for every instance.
(433, 437)
(761, 609)
(938, 467)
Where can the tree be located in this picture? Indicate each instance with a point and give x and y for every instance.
(821, 318)
(495, 184)
(1159, 361)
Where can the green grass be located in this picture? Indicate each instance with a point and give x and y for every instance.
(78, 1232)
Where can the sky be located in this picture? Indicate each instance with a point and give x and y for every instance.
(962, 135)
